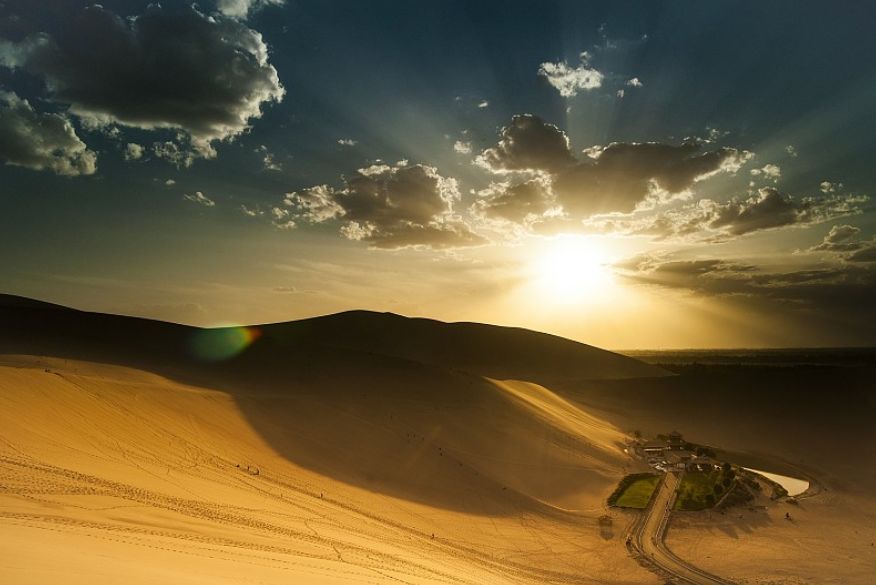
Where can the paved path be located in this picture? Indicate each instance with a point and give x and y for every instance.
(646, 538)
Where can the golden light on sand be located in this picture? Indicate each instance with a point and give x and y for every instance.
(572, 270)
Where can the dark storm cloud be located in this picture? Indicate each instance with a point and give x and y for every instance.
(617, 178)
(389, 207)
(710, 220)
(203, 75)
(41, 141)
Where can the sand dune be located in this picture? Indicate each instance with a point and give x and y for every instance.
(315, 456)
(161, 477)
(295, 461)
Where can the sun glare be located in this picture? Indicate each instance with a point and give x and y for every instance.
(572, 270)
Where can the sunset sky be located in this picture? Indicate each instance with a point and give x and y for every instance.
(630, 175)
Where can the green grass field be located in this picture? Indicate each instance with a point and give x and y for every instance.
(635, 491)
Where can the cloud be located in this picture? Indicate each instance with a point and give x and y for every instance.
(865, 254)
(840, 238)
(522, 203)
(840, 290)
(634, 82)
(483, 104)
(204, 76)
(134, 151)
(199, 198)
(828, 187)
(616, 178)
(570, 80)
(843, 239)
(250, 211)
(173, 153)
(622, 177)
(346, 142)
(769, 208)
(169, 183)
(41, 141)
(709, 220)
(389, 207)
(768, 171)
(528, 143)
(791, 150)
(462, 147)
(241, 8)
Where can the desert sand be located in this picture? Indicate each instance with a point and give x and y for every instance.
(122, 459)
(111, 474)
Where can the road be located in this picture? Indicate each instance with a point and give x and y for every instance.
(647, 538)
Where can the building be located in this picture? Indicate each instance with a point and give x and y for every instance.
(676, 441)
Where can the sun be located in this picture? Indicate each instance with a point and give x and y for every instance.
(572, 270)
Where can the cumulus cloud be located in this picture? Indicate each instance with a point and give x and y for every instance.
(172, 152)
(204, 76)
(462, 147)
(521, 203)
(840, 238)
(570, 80)
(134, 151)
(199, 198)
(528, 143)
(768, 171)
(611, 179)
(622, 177)
(41, 141)
(710, 220)
(829, 187)
(634, 82)
(241, 8)
(389, 207)
(346, 142)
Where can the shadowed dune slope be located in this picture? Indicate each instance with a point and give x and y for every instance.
(486, 350)
(360, 398)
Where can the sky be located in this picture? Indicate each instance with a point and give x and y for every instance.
(627, 174)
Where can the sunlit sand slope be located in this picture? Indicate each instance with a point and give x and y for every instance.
(111, 474)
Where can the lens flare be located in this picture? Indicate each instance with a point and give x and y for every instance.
(222, 343)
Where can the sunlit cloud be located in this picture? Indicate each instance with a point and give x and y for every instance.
(199, 198)
(389, 207)
(204, 76)
(568, 79)
(41, 141)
